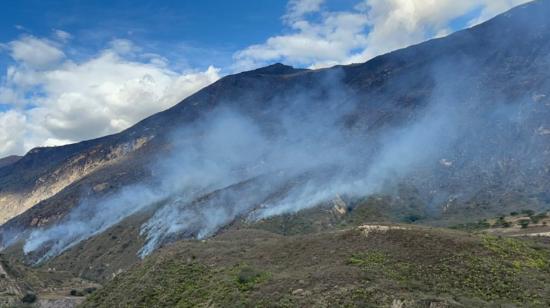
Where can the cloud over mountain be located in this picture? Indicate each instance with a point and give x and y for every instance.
(53, 94)
(319, 37)
(56, 99)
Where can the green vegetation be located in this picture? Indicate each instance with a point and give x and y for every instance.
(314, 258)
(501, 223)
(519, 253)
(29, 298)
(524, 223)
(83, 292)
(537, 218)
(416, 266)
(473, 226)
(248, 277)
(506, 270)
(524, 219)
(528, 212)
(176, 283)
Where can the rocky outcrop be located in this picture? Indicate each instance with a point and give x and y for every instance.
(13, 203)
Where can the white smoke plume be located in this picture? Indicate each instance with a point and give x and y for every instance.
(295, 152)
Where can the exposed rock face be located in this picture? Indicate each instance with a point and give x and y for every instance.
(11, 290)
(48, 184)
(7, 284)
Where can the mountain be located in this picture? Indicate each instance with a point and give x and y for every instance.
(9, 160)
(453, 130)
(504, 61)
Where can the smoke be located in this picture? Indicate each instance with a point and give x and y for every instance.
(295, 151)
(91, 217)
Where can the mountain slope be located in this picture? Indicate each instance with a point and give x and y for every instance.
(382, 266)
(461, 122)
(9, 160)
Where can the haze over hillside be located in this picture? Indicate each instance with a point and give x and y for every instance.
(460, 120)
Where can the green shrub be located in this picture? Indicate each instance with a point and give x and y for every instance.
(528, 212)
(29, 298)
(501, 222)
(90, 290)
(524, 223)
(76, 293)
(247, 277)
(537, 218)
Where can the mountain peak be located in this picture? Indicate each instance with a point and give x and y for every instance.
(276, 69)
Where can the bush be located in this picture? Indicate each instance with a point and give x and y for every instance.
(528, 212)
(501, 222)
(524, 223)
(535, 219)
(411, 218)
(247, 275)
(90, 290)
(484, 224)
(29, 298)
(76, 293)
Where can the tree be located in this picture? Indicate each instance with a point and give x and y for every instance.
(524, 223)
(29, 298)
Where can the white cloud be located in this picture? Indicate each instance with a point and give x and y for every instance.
(57, 100)
(296, 9)
(35, 53)
(495, 7)
(371, 28)
(325, 43)
(123, 46)
(62, 35)
(64, 101)
(12, 127)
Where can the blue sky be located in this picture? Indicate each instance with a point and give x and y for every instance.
(72, 69)
(216, 27)
(193, 34)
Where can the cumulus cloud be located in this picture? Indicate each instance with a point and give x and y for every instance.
(316, 44)
(56, 100)
(12, 126)
(298, 8)
(62, 35)
(371, 28)
(35, 53)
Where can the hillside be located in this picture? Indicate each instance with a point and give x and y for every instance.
(443, 117)
(9, 160)
(256, 187)
(372, 265)
(311, 258)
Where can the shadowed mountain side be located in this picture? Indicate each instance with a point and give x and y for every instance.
(9, 160)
